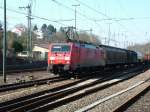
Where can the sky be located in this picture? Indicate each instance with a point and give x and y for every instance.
(130, 25)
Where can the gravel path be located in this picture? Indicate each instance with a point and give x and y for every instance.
(142, 105)
(75, 105)
(27, 91)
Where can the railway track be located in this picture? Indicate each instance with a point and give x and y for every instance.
(124, 105)
(128, 103)
(8, 87)
(57, 97)
(14, 86)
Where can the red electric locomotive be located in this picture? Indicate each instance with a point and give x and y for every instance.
(77, 56)
(74, 56)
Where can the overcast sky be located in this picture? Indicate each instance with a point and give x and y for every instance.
(91, 14)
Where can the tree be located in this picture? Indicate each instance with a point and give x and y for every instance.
(83, 36)
(48, 31)
(51, 29)
(142, 48)
(44, 28)
(61, 29)
(1, 29)
(58, 37)
(35, 28)
(17, 46)
(95, 39)
(10, 39)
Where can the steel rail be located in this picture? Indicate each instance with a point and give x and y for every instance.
(8, 87)
(53, 96)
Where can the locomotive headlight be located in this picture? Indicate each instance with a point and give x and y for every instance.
(67, 58)
(68, 62)
(52, 58)
(51, 61)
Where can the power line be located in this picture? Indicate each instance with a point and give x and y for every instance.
(116, 19)
(125, 12)
(42, 18)
(93, 9)
(83, 15)
(29, 39)
(101, 13)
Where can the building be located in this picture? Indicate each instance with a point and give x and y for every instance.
(19, 29)
(40, 51)
(39, 34)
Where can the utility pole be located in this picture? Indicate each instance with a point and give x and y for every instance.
(105, 40)
(4, 44)
(125, 39)
(91, 35)
(115, 39)
(109, 33)
(75, 24)
(29, 39)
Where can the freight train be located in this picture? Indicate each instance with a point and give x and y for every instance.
(77, 56)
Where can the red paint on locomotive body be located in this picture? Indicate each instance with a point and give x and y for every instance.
(59, 54)
(73, 55)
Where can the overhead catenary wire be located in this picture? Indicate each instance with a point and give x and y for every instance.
(65, 6)
(92, 19)
(101, 13)
(81, 14)
(34, 16)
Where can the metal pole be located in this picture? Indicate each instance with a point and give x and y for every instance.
(4, 44)
(91, 35)
(75, 15)
(29, 28)
(109, 33)
(28, 39)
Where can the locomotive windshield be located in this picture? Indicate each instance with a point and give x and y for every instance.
(60, 48)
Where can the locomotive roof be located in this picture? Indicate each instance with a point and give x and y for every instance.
(77, 42)
(85, 45)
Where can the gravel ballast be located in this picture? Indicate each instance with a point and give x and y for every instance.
(75, 105)
(141, 105)
(27, 91)
(111, 104)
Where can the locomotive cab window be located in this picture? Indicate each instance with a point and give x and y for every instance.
(60, 48)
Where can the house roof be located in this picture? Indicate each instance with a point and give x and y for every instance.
(42, 45)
